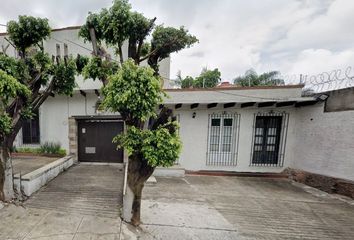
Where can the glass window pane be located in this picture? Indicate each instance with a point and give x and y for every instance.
(228, 122)
(271, 140)
(259, 131)
(215, 122)
(226, 148)
(270, 148)
(258, 148)
(259, 140)
(272, 131)
(214, 147)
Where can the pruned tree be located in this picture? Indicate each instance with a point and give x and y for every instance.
(251, 78)
(135, 91)
(26, 82)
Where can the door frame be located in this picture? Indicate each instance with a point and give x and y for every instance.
(98, 118)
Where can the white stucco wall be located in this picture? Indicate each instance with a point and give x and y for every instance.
(194, 134)
(324, 142)
(54, 115)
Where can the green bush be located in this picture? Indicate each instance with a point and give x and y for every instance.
(50, 148)
(27, 150)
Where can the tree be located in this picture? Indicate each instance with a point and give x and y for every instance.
(251, 78)
(186, 82)
(25, 83)
(135, 91)
(206, 79)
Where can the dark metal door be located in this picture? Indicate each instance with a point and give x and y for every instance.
(267, 139)
(95, 141)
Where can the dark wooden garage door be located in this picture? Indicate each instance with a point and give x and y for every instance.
(95, 141)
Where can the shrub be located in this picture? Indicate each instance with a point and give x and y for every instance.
(27, 150)
(52, 148)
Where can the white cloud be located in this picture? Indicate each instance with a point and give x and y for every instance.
(302, 36)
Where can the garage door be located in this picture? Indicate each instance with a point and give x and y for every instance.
(95, 141)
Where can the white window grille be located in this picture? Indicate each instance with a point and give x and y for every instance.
(223, 136)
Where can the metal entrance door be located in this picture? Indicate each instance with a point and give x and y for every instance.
(267, 139)
(95, 141)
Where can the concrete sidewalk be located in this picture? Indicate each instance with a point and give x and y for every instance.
(194, 207)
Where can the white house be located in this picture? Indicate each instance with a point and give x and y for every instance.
(260, 129)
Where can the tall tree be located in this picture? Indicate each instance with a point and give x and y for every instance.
(135, 91)
(25, 83)
(251, 78)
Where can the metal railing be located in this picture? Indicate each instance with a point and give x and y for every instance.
(222, 148)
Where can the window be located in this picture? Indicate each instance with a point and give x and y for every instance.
(30, 130)
(268, 141)
(222, 139)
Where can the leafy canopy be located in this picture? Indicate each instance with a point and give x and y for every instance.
(159, 147)
(133, 91)
(119, 23)
(28, 31)
(251, 78)
(22, 78)
(206, 79)
(9, 89)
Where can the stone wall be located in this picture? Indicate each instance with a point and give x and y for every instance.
(73, 140)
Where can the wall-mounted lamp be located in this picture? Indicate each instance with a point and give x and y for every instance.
(194, 114)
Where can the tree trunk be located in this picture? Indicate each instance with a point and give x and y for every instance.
(138, 172)
(7, 192)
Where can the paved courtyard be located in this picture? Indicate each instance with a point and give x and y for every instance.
(83, 203)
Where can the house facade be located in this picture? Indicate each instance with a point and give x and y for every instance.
(260, 129)
(238, 129)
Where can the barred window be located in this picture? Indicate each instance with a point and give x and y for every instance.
(30, 130)
(223, 139)
(268, 147)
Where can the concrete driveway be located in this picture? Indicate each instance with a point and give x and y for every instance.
(82, 204)
(204, 207)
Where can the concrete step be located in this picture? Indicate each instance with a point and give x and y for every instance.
(174, 171)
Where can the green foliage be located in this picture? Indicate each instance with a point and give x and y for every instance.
(26, 150)
(208, 78)
(187, 82)
(251, 78)
(50, 148)
(81, 62)
(28, 31)
(111, 25)
(97, 68)
(159, 147)
(5, 125)
(166, 40)
(133, 91)
(119, 23)
(64, 76)
(47, 148)
(10, 88)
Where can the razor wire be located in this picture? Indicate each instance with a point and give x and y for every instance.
(325, 81)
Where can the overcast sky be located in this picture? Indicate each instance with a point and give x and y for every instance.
(291, 36)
